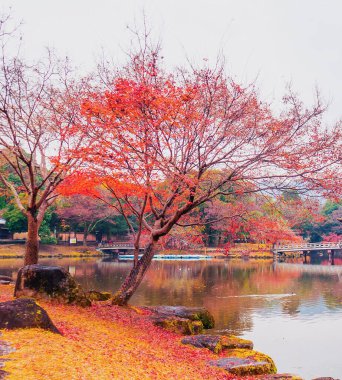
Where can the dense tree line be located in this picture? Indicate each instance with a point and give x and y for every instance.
(268, 223)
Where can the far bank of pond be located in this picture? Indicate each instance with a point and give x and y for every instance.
(291, 311)
(241, 250)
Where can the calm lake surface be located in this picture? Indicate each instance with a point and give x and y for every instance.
(292, 311)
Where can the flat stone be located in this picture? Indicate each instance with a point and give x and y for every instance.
(178, 325)
(24, 313)
(192, 313)
(6, 278)
(217, 343)
(243, 362)
(212, 342)
(3, 374)
(5, 349)
(49, 282)
(280, 376)
(231, 341)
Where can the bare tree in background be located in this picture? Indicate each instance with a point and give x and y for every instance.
(38, 108)
(87, 211)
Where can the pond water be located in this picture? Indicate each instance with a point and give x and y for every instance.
(292, 311)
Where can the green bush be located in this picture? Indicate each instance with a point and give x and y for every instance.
(48, 240)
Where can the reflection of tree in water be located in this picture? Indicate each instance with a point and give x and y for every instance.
(173, 283)
(231, 290)
(107, 276)
(291, 305)
(333, 299)
(333, 294)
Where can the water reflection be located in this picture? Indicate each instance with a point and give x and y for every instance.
(275, 304)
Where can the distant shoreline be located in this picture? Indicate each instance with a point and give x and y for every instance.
(253, 251)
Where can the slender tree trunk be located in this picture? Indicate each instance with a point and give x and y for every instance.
(85, 234)
(32, 242)
(134, 278)
(136, 256)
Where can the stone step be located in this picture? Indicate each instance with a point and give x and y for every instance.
(217, 343)
(243, 362)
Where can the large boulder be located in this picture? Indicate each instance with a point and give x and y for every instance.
(24, 313)
(192, 313)
(217, 343)
(49, 282)
(242, 362)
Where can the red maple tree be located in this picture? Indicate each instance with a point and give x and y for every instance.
(170, 142)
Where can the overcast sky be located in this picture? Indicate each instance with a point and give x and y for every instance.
(275, 41)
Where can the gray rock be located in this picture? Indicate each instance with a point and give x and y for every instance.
(280, 376)
(212, 342)
(5, 349)
(3, 374)
(94, 295)
(217, 343)
(6, 278)
(178, 325)
(192, 313)
(24, 313)
(49, 282)
(242, 366)
(242, 362)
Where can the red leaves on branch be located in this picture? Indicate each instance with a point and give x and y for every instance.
(167, 143)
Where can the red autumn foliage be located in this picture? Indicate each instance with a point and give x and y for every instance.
(168, 143)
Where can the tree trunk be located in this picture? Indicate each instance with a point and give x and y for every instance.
(85, 234)
(32, 242)
(135, 276)
(136, 256)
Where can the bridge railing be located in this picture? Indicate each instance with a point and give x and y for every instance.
(116, 245)
(336, 245)
(119, 245)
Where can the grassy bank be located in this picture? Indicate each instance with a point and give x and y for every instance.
(17, 250)
(239, 250)
(250, 250)
(257, 251)
(102, 342)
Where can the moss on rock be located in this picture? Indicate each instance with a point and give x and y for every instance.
(49, 282)
(232, 341)
(243, 362)
(192, 313)
(24, 313)
(211, 342)
(217, 343)
(94, 295)
(177, 325)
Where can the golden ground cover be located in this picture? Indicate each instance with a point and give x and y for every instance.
(102, 342)
(18, 250)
